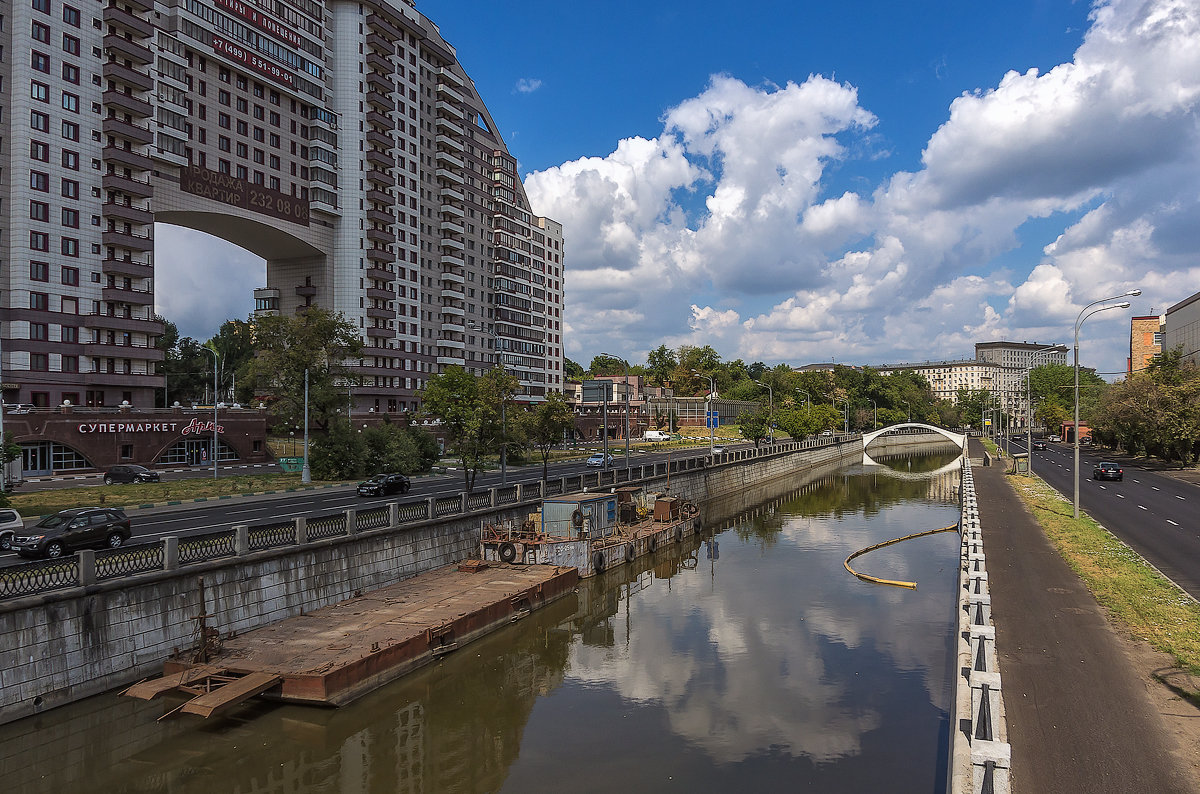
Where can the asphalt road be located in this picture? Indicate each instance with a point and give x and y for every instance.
(1154, 513)
(151, 525)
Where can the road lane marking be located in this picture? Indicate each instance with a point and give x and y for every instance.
(1172, 523)
(1177, 496)
(1120, 496)
(1141, 507)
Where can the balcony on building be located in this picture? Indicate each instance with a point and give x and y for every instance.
(451, 193)
(450, 159)
(450, 93)
(122, 46)
(126, 129)
(446, 109)
(377, 293)
(383, 26)
(449, 126)
(453, 227)
(120, 72)
(128, 212)
(452, 210)
(380, 43)
(380, 140)
(320, 198)
(266, 301)
(120, 322)
(380, 159)
(142, 351)
(381, 236)
(450, 310)
(127, 102)
(130, 240)
(374, 117)
(306, 291)
(380, 255)
(450, 143)
(381, 178)
(136, 297)
(451, 276)
(448, 176)
(140, 28)
(380, 216)
(451, 246)
(381, 102)
(452, 260)
(381, 333)
(378, 62)
(380, 82)
(134, 187)
(126, 267)
(376, 196)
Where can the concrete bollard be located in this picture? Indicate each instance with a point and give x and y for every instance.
(241, 539)
(301, 530)
(393, 514)
(430, 506)
(351, 522)
(170, 552)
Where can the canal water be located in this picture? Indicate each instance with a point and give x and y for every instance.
(747, 660)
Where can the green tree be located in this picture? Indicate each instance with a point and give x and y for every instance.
(318, 340)
(469, 409)
(1155, 411)
(573, 371)
(9, 451)
(660, 363)
(234, 343)
(754, 425)
(547, 424)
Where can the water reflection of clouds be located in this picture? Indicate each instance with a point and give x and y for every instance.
(758, 660)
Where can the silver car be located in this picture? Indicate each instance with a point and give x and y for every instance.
(10, 524)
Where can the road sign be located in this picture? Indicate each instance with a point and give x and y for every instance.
(712, 419)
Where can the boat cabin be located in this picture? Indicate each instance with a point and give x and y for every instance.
(580, 515)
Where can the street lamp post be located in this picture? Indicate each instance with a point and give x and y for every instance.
(708, 419)
(875, 420)
(214, 437)
(846, 415)
(770, 409)
(609, 355)
(305, 472)
(807, 398)
(1078, 322)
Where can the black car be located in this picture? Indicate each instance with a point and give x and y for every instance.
(130, 473)
(384, 485)
(1041, 445)
(77, 528)
(1108, 471)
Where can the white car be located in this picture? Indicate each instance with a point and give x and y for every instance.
(1054, 439)
(600, 459)
(10, 524)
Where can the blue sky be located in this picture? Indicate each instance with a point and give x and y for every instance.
(864, 182)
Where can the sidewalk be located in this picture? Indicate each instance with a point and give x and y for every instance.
(1080, 718)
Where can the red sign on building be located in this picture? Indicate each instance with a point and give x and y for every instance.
(256, 62)
(263, 23)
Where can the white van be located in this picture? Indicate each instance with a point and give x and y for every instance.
(656, 435)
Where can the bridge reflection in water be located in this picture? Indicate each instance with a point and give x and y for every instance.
(748, 659)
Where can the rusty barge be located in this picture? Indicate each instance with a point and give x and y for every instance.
(592, 531)
(335, 654)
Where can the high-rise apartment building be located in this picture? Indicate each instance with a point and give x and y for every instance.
(1181, 328)
(340, 141)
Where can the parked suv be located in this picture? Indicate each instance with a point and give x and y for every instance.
(68, 530)
(10, 524)
(1107, 471)
(130, 473)
(384, 485)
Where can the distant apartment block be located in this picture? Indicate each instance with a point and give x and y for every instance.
(341, 141)
(1181, 328)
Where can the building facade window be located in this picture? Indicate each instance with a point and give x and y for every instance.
(39, 301)
(39, 271)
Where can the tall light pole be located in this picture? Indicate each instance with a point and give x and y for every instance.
(875, 421)
(1078, 322)
(807, 398)
(610, 355)
(305, 472)
(3, 462)
(214, 438)
(846, 415)
(712, 388)
(770, 408)
(1033, 357)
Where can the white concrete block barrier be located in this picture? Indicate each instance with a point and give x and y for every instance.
(980, 756)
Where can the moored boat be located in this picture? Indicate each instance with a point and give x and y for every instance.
(592, 531)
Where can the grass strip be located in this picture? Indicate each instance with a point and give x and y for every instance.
(1149, 605)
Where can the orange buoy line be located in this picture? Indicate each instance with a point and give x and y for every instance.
(892, 582)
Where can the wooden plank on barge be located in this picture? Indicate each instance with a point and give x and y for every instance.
(149, 690)
(229, 695)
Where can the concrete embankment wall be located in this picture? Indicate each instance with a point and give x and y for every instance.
(66, 645)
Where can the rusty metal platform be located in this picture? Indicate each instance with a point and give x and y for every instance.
(342, 651)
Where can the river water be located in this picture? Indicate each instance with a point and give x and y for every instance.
(746, 661)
